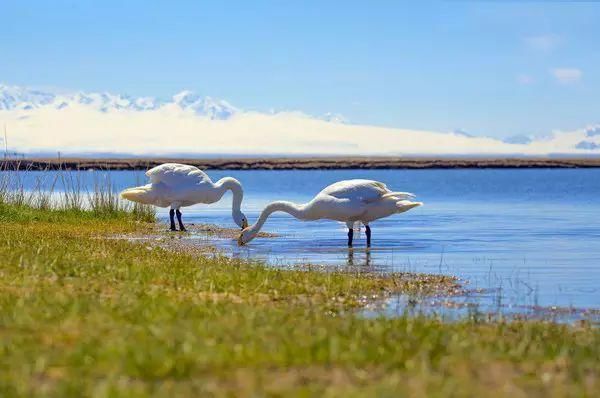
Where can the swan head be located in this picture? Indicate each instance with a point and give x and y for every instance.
(246, 236)
(240, 219)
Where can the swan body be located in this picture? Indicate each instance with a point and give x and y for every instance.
(347, 201)
(180, 185)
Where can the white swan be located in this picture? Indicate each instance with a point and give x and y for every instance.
(179, 185)
(348, 201)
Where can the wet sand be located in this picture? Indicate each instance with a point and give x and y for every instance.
(302, 163)
(194, 241)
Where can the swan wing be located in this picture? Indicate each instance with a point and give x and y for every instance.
(399, 195)
(176, 175)
(365, 191)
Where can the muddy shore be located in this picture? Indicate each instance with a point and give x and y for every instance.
(299, 163)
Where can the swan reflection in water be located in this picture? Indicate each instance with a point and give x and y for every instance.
(367, 260)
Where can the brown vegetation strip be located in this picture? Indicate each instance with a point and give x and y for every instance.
(301, 163)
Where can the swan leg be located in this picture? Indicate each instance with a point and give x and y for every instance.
(181, 227)
(368, 233)
(172, 218)
(350, 235)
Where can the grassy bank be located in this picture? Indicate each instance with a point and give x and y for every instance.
(84, 315)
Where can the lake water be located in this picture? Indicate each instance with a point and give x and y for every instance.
(519, 239)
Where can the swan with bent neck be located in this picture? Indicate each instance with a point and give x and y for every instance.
(179, 185)
(349, 201)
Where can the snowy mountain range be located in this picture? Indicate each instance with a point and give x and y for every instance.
(14, 97)
(22, 98)
(80, 122)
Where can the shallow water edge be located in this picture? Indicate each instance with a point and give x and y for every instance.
(451, 301)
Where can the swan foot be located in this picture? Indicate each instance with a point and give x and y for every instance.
(350, 236)
(368, 233)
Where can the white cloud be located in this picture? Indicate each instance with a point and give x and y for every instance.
(544, 43)
(567, 75)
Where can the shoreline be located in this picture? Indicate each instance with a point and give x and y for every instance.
(449, 296)
(298, 163)
(184, 316)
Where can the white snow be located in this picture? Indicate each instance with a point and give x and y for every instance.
(40, 121)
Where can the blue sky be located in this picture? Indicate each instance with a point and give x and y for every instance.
(488, 68)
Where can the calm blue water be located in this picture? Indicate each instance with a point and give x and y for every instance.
(523, 237)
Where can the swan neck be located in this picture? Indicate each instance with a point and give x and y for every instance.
(292, 209)
(231, 184)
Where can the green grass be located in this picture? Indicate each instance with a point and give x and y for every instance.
(82, 315)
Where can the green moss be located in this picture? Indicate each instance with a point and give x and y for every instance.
(84, 315)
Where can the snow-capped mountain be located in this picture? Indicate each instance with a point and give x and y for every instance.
(213, 108)
(334, 118)
(12, 97)
(518, 139)
(21, 98)
(83, 122)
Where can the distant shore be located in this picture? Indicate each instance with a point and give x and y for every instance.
(299, 163)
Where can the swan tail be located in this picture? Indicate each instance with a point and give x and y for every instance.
(406, 205)
(399, 195)
(138, 194)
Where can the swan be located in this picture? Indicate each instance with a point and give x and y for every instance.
(180, 185)
(348, 201)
